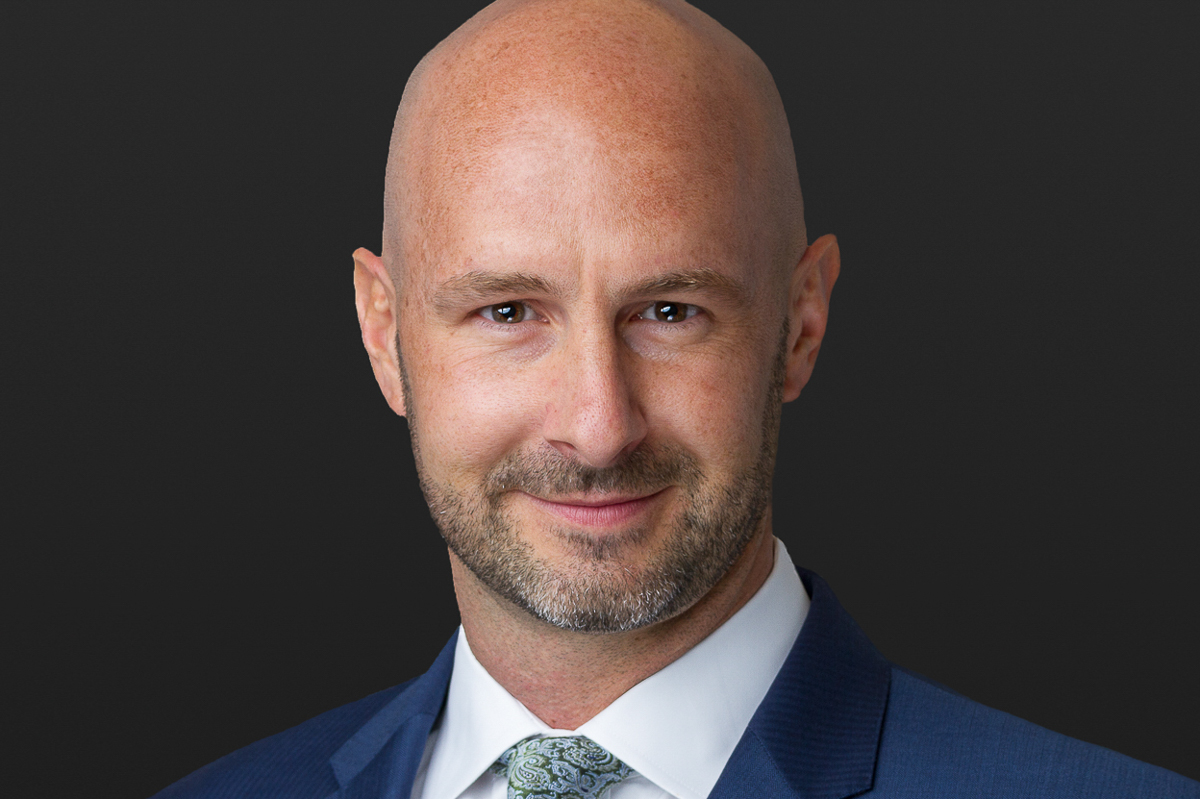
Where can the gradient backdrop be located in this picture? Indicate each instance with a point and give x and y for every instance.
(212, 522)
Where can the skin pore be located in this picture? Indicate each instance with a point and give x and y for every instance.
(593, 297)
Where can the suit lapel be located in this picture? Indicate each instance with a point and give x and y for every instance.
(386, 751)
(816, 733)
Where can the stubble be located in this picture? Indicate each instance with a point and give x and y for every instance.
(601, 588)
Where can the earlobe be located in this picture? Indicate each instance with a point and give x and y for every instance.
(812, 285)
(375, 302)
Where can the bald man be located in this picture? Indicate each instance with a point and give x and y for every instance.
(595, 292)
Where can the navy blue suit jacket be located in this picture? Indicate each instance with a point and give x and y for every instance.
(838, 721)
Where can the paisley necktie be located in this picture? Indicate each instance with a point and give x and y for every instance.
(559, 768)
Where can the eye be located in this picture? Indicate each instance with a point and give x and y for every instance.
(668, 312)
(507, 313)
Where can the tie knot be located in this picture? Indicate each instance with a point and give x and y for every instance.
(560, 768)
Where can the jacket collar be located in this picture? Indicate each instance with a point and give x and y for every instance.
(815, 735)
(387, 750)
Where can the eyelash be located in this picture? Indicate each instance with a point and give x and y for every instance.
(647, 314)
(527, 312)
(690, 312)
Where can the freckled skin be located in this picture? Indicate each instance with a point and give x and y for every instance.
(592, 145)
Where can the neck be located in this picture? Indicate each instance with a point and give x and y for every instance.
(565, 677)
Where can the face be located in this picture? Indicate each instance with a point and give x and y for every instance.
(600, 584)
(593, 356)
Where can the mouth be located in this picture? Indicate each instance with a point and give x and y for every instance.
(597, 510)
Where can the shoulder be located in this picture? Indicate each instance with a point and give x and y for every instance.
(938, 743)
(293, 763)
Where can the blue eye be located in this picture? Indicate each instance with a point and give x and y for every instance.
(669, 312)
(507, 313)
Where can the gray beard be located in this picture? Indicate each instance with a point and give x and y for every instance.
(599, 592)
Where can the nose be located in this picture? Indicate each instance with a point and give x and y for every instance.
(592, 412)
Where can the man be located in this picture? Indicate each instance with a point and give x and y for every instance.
(594, 294)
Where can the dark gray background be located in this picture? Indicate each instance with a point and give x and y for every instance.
(213, 524)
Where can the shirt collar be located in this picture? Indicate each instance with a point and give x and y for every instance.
(677, 728)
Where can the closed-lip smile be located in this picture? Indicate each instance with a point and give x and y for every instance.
(597, 510)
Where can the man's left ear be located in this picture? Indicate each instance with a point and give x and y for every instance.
(808, 309)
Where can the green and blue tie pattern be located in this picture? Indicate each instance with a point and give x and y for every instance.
(559, 768)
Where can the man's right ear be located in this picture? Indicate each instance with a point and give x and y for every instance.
(375, 300)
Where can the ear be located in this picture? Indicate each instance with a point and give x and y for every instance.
(808, 311)
(375, 300)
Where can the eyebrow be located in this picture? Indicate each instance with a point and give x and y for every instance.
(476, 287)
(687, 280)
(479, 286)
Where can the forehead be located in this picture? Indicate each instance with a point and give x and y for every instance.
(548, 191)
(581, 139)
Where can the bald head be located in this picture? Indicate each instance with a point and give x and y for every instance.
(653, 105)
(595, 296)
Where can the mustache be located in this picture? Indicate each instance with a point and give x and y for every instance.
(547, 473)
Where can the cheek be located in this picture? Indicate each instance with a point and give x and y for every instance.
(471, 411)
(711, 405)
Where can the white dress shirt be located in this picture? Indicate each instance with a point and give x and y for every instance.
(676, 729)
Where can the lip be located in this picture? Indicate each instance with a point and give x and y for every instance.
(597, 510)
